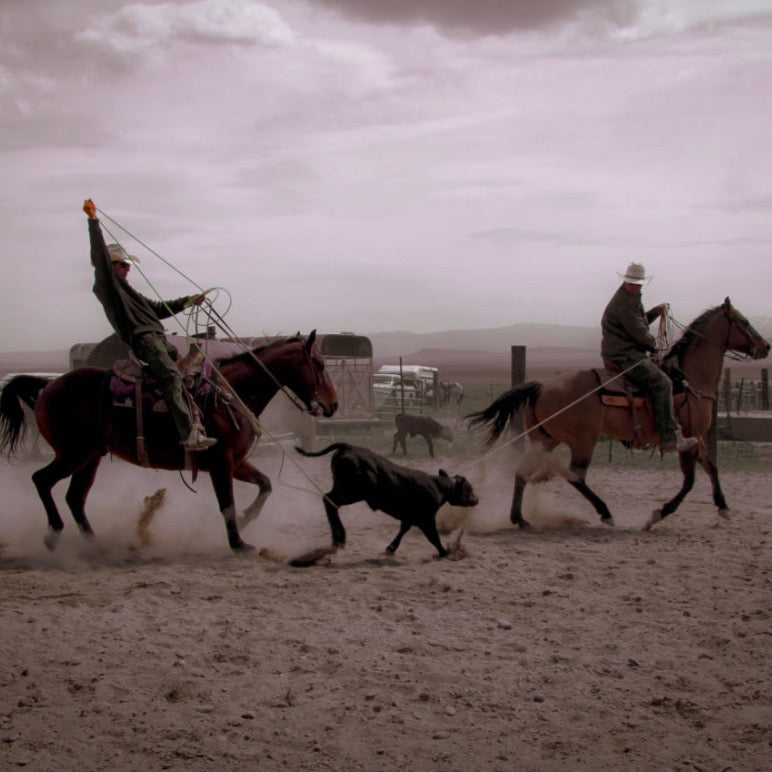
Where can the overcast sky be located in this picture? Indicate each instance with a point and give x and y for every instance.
(374, 165)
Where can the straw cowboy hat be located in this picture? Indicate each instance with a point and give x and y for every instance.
(119, 255)
(635, 274)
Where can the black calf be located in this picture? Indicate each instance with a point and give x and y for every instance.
(409, 495)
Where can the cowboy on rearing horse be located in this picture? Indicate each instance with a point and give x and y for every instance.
(627, 345)
(136, 319)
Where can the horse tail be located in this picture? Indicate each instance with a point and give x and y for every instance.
(497, 415)
(328, 449)
(21, 389)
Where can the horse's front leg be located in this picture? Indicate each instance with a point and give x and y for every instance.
(222, 481)
(718, 494)
(688, 463)
(245, 472)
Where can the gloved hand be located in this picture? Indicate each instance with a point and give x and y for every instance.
(195, 300)
(198, 299)
(90, 209)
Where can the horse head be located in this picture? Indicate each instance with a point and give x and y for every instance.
(312, 383)
(741, 335)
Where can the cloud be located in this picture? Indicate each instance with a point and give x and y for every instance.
(316, 164)
(484, 16)
(234, 21)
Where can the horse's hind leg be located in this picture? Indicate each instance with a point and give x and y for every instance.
(44, 480)
(529, 464)
(80, 485)
(516, 510)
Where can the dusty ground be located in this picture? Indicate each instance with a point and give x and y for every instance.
(580, 647)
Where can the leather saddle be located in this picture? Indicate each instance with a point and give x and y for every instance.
(131, 381)
(620, 392)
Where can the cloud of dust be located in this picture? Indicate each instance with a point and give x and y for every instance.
(547, 504)
(183, 523)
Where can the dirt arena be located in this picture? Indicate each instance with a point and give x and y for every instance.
(578, 647)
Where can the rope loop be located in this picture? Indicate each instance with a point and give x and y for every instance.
(208, 316)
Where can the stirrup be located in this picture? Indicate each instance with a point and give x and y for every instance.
(198, 441)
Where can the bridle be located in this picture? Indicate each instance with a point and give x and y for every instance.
(312, 355)
(742, 325)
(734, 321)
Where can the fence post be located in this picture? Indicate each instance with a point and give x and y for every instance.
(764, 388)
(518, 377)
(401, 386)
(740, 395)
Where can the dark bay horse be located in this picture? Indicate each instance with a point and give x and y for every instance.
(76, 417)
(569, 409)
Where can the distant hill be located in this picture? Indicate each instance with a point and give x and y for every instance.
(34, 362)
(558, 357)
(492, 340)
(549, 345)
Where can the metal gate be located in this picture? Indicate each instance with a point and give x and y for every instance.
(348, 359)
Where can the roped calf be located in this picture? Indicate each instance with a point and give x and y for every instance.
(409, 495)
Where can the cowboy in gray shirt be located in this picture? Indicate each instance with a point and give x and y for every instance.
(136, 319)
(627, 344)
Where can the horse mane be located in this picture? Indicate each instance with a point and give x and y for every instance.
(694, 330)
(258, 349)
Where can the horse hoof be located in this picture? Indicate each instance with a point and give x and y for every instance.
(656, 516)
(243, 548)
(51, 539)
(524, 525)
(725, 514)
(608, 521)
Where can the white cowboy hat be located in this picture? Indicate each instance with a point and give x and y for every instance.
(119, 255)
(635, 274)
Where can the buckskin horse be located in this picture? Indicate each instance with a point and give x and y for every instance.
(570, 410)
(76, 416)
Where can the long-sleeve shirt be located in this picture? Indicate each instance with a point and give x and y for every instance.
(625, 327)
(130, 313)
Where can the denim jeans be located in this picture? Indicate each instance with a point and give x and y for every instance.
(649, 376)
(152, 348)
